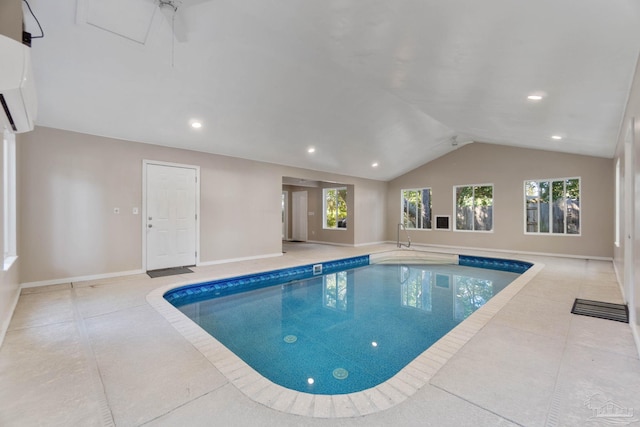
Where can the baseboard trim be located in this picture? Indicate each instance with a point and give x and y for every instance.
(359, 245)
(79, 279)
(130, 273)
(620, 280)
(634, 330)
(347, 245)
(248, 258)
(329, 243)
(510, 251)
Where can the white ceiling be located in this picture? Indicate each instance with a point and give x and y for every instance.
(362, 81)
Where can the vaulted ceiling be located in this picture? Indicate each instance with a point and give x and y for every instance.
(397, 83)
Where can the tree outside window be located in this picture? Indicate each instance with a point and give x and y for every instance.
(416, 208)
(474, 207)
(552, 206)
(335, 207)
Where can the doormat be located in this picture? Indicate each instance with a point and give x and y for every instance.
(602, 310)
(168, 272)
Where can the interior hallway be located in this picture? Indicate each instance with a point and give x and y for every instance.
(96, 353)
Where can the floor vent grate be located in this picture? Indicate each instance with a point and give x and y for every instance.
(602, 310)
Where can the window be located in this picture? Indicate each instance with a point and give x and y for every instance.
(469, 295)
(335, 291)
(415, 288)
(474, 207)
(335, 207)
(416, 208)
(9, 202)
(552, 206)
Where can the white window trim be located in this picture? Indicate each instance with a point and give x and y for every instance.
(324, 209)
(402, 208)
(9, 200)
(550, 234)
(455, 209)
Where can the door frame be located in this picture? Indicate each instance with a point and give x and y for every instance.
(285, 193)
(299, 216)
(143, 218)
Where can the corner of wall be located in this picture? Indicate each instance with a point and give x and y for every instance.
(9, 294)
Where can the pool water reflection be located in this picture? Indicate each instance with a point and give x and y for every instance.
(346, 331)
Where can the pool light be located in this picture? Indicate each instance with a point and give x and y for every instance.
(374, 344)
(310, 381)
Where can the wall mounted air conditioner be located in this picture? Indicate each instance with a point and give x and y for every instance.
(17, 88)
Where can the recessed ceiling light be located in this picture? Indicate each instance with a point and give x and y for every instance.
(374, 164)
(558, 137)
(534, 97)
(196, 125)
(311, 150)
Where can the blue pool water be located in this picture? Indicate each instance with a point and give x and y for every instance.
(346, 330)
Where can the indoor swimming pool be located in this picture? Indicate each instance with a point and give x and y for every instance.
(343, 326)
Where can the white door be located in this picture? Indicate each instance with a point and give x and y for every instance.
(170, 216)
(299, 213)
(285, 216)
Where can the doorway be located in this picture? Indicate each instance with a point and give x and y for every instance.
(170, 215)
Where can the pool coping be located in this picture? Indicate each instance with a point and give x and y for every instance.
(395, 390)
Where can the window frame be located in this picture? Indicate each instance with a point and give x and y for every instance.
(551, 231)
(324, 207)
(455, 208)
(9, 199)
(402, 216)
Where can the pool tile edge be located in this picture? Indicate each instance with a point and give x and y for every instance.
(384, 396)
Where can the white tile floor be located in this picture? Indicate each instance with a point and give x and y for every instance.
(97, 353)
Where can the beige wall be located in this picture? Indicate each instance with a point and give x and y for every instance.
(317, 232)
(507, 168)
(11, 19)
(366, 200)
(70, 183)
(315, 229)
(369, 213)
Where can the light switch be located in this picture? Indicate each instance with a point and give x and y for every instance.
(135, 211)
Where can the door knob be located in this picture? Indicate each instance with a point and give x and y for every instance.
(149, 225)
